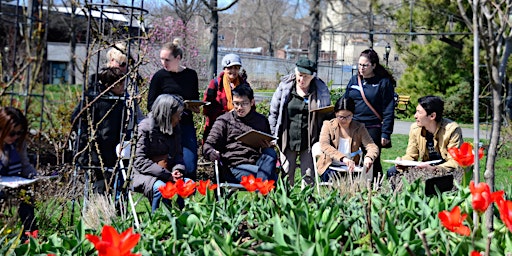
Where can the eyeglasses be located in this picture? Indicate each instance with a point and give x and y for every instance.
(121, 64)
(16, 133)
(364, 65)
(343, 118)
(241, 104)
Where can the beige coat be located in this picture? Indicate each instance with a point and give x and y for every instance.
(330, 139)
(448, 135)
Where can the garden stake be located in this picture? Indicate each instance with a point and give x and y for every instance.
(406, 245)
(488, 246)
(368, 211)
(424, 240)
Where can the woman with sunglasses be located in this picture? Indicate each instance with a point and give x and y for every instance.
(13, 157)
(372, 90)
(175, 78)
(340, 137)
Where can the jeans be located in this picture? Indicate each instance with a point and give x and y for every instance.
(265, 167)
(189, 143)
(376, 134)
(155, 201)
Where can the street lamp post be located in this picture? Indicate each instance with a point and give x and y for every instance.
(388, 50)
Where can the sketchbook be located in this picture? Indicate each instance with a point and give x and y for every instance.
(17, 181)
(410, 162)
(324, 110)
(254, 138)
(194, 103)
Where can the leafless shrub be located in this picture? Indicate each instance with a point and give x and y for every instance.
(100, 211)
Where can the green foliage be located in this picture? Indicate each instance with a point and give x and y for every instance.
(289, 221)
(336, 94)
(433, 70)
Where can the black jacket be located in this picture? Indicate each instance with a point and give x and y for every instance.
(106, 114)
(223, 135)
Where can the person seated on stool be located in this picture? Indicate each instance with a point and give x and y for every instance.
(431, 137)
(340, 137)
(14, 160)
(241, 158)
(159, 154)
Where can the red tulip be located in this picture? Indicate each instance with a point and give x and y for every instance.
(266, 186)
(250, 183)
(475, 253)
(112, 243)
(482, 196)
(204, 185)
(51, 254)
(31, 234)
(168, 191)
(464, 156)
(453, 221)
(505, 209)
(185, 189)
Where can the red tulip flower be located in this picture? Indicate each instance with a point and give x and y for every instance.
(464, 155)
(112, 243)
(482, 196)
(185, 189)
(505, 208)
(204, 185)
(250, 183)
(452, 220)
(266, 186)
(168, 191)
(475, 253)
(31, 234)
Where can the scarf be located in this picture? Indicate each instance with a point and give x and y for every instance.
(227, 89)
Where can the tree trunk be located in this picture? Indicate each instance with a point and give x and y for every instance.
(214, 40)
(72, 45)
(314, 47)
(493, 147)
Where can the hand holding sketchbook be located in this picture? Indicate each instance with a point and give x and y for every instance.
(196, 103)
(255, 138)
(410, 162)
(324, 110)
(16, 181)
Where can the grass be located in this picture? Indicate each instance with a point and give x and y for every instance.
(502, 166)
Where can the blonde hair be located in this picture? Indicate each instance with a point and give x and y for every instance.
(117, 52)
(174, 48)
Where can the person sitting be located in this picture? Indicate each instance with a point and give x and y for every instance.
(14, 160)
(104, 119)
(218, 92)
(340, 137)
(430, 138)
(159, 154)
(242, 159)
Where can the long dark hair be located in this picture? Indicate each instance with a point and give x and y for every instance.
(10, 118)
(379, 70)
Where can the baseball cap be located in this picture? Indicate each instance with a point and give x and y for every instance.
(306, 66)
(231, 59)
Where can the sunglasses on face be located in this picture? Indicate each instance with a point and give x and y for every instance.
(121, 64)
(15, 133)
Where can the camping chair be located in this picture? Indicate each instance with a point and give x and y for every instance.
(123, 151)
(223, 178)
(316, 152)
